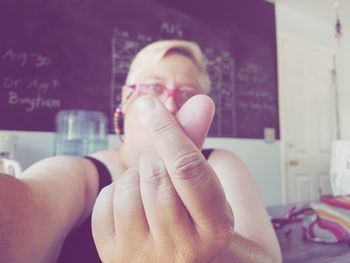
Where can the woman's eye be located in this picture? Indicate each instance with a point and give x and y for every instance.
(184, 94)
(155, 89)
(188, 92)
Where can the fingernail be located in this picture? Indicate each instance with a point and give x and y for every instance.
(145, 105)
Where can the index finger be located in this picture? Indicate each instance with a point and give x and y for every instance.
(194, 180)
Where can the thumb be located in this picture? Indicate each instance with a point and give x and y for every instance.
(195, 117)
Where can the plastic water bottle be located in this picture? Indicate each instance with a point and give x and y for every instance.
(80, 132)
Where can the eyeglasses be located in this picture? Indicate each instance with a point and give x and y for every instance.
(180, 95)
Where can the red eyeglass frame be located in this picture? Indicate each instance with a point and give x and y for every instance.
(169, 92)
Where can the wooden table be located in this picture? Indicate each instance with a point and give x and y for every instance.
(296, 250)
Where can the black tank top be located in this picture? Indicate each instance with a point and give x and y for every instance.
(79, 245)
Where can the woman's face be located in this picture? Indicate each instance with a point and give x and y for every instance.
(175, 72)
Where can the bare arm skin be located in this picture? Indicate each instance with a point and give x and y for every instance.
(39, 209)
(254, 239)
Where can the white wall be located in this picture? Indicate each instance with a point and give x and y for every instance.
(343, 71)
(261, 158)
(294, 25)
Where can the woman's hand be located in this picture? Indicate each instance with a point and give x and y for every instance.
(172, 207)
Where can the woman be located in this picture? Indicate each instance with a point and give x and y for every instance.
(167, 203)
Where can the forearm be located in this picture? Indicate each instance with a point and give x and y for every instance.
(247, 251)
(38, 210)
(35, 218)
(19, 240)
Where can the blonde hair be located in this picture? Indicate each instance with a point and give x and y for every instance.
(160, 49)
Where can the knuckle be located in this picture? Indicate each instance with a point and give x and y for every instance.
(188, 165)
(129, 181)
(154, 173)
(152, 168)
(162, 127)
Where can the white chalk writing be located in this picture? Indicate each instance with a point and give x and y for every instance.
(32, 103)
(37, 85)
(23, 58)
(37, 88)
(172, 28)
(254, 106)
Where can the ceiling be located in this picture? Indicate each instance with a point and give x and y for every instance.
(321, 10)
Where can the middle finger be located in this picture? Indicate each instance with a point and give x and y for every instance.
(164, 209)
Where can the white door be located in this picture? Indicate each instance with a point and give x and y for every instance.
(308, 124)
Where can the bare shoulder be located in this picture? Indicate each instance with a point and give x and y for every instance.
(57, 165)
(74, 176)
(226, 163)
(236, 179)
(222, 155)
(242, 193)
(55, 175)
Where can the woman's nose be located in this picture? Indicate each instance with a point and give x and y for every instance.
(171, 105)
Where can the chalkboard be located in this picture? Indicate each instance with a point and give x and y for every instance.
(74, 54)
